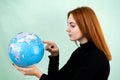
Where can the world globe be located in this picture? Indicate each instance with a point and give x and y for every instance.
(26, 49)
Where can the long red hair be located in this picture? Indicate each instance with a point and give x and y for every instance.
(89, 25)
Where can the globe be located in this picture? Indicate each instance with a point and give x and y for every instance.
(26, 49)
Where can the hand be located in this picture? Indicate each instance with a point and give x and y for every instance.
(51, 47)
(32, 71)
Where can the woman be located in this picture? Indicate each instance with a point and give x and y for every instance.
(90, 61)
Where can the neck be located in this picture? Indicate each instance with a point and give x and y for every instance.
(83, 40)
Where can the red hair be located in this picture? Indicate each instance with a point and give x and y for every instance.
(89, 25)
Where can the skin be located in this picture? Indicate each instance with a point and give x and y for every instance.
(74, 34)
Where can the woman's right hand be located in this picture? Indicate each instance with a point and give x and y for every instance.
(31, 71)
(52, 48)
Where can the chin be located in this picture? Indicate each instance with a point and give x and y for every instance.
(72, 40)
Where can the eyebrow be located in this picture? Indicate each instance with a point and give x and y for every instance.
(71, 22)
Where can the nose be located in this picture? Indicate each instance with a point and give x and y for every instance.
(67, 30)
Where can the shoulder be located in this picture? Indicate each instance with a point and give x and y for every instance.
(89, 53)
(96, 56)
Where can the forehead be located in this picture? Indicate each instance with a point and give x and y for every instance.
(71, 19)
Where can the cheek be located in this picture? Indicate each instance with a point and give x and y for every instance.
(78, 34)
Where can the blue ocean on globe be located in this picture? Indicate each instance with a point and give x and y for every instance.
(26, 49)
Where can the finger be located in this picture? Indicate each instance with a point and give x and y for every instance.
(47, 42)
(50, 44)
(19, 68)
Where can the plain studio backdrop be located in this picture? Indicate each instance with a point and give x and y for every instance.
(48, 19)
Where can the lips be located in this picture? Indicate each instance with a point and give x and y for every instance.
(69, 35)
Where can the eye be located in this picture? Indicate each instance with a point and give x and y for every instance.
(72, 26)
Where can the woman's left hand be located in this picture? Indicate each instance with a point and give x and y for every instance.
(32, 71)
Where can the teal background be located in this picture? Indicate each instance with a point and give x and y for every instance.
(47, 19)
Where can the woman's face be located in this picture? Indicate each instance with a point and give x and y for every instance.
(73, 30)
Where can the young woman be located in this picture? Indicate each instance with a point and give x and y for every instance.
(90, 61)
